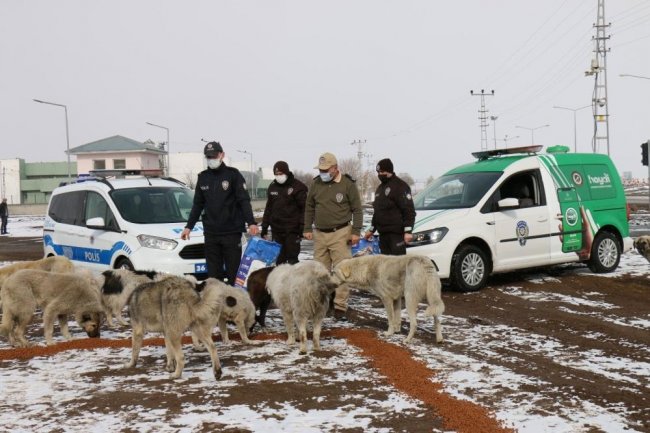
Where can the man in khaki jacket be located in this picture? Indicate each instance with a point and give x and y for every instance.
(332, 202)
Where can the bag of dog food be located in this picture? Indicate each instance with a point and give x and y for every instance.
(365, 247)
(259, 253)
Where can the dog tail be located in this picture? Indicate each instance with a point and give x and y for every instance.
(436, 306)
(209, 307)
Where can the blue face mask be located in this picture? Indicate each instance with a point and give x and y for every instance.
(326, 177)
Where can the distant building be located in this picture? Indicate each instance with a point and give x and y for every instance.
(626, 175)
(32, 182)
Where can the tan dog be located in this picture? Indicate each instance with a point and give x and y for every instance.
(53, 264)
(171, 306)
(642, 245)
(390, 278)
(58, 295)
(302, 292)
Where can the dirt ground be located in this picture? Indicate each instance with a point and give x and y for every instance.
(582, 329)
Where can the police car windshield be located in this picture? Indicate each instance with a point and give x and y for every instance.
(455, 191)
(154, 205)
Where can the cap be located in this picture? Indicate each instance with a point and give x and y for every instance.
(281, 166)
(326, 161)
(213, 148)
(385, 165)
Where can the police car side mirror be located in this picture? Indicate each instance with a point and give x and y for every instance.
(96, 223)
(508, 203)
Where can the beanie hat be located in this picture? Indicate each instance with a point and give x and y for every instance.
(213, 148)
(385, 165)
(281, 166)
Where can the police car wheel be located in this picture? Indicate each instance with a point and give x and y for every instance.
(469, 268)
(605, 253)
(124, 264)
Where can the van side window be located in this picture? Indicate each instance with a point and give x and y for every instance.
(96, 206)
(526, 187)
(67, 208)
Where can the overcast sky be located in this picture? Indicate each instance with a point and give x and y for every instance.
(292, 79)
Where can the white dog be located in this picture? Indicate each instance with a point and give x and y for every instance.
(302, 292)
(390, 278)
(116, 289)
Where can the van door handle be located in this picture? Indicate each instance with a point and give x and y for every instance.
(542, 219)
(490, 223)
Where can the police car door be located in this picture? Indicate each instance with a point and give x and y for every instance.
(522, 233)
(99, 243)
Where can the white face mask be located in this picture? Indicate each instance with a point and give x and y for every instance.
(281, 178)
(325, 177)
(214, 163)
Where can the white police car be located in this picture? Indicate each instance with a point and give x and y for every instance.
(132, 223)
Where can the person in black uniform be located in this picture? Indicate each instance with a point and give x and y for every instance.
(285, 212)
(4, 216)
(226, 206)
(394, 213)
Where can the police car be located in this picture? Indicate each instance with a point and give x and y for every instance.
(130, 223)
(518, 208)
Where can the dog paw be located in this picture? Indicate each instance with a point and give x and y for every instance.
(128, 365)
(217, 373)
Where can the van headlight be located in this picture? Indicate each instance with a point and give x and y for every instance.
(428, 237)
(156, 242)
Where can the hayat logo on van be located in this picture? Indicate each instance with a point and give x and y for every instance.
(603, 180)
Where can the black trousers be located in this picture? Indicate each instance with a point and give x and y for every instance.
(3, 228)
(392, 244)
(222, 256)
(290, 247)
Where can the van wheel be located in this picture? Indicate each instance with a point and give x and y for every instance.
(469, 268)
(605, 253)
(124, 264)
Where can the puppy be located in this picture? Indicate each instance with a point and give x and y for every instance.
(58, 295)
(642, 245)
(116, 289)
(173, 305)
(302, 292)
(390, 278)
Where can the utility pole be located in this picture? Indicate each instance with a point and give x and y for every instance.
(494, 128)
(482, 116)
(360, 155)
(598, 69)
(4, 187)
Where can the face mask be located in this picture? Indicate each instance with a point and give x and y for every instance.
(383, 178)
(281, 178)
(325, 177)
(214, 163)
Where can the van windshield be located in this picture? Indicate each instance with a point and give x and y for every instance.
(154, 205)
(456, 191)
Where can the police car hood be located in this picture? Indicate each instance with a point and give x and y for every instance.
(431, 219)
(167, 230)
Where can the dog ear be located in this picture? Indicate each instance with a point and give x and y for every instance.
(231, 301)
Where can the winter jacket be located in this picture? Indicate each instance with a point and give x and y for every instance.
(394, 211)
(222, 198)
(332, 204)
(4, 209)
(285, 206)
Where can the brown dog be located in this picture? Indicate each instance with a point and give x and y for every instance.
(642, 245)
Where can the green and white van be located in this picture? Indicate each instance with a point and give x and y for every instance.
(518, 208)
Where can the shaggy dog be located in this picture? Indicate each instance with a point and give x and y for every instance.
(57, 295)
(390, 278)
(171, 306)
(118, 286)
(53, 264)
(236, 307)
(302, 292)
(642, 245)
(256, 285)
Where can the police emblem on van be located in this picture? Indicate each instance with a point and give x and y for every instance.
(577, 178)
(522, 232)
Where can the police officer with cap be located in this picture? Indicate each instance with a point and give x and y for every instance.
(222, 198)
(394, 212)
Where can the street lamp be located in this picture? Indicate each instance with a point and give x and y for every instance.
(67, 135)
(634, 76)
(532, 131)
(166, 129)
(494, 129)
(507, 138)
(575, 130)
(252, 186)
